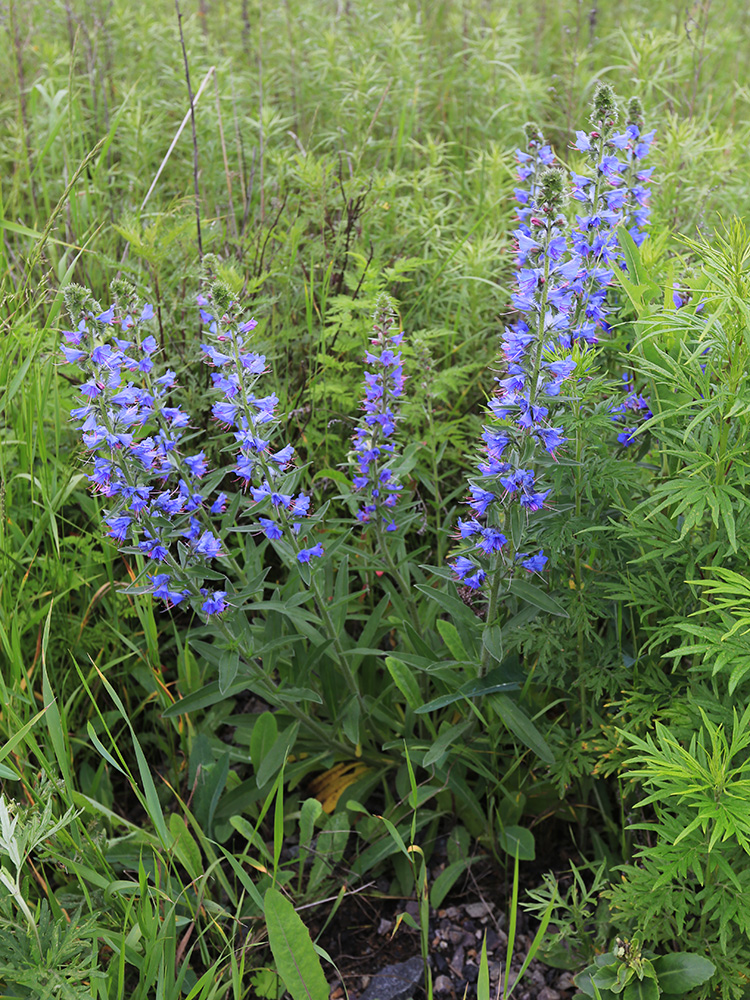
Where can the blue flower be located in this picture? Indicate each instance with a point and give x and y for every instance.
(215, 604)
(305, 555)
(534, 564)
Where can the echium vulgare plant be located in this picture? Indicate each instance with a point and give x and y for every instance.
(374, 445)
(382, 511)
(563, 279)
(164, 503)
(169, 511)
(537, 365)
(253, 420)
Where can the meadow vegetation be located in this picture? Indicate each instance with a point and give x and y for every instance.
(344, 703)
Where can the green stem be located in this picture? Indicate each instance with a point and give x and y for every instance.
(269, 689)
(542, 311)
(491, 610)
(578, 568)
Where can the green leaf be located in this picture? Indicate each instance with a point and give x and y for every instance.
(492, 640)
(296, 960)
(203, 698)
(229, 664)
(538, 598)
(448, 877)
(450, 636)
(517, 840)
(185, 847)
(449, 735)
(265, 732)
(607, 977)
(682, 971)
(584, 984)
(329, 848)
(483, 980)
(641, 989)
(275, 758)
(521, 726)
(499, 679)
(405, 681)
(453, 605)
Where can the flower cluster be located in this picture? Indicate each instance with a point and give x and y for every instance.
(637, 177)
(531, 164)
(614, 196)
(632, 411)
(374, 446)
(563, 277)
(536, 365)
(260, 467)
(136, 437)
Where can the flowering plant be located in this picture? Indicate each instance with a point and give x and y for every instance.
(564, 280)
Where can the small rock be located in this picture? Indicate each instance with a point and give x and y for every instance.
(471, 972)
(477, 910)
(395, 982)
(443, 985)
(338, 992)
(412, 908)
(537, 978)
(452, 912)
(457, 962)
(547, 994)
(385, 926)
(565, 982)
(455, 936)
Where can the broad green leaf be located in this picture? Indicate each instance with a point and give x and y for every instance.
(521, 726)
(275, 757)
(229, 664)
(607, 978)
(448, 877)
(538, 598)
(204, 698)
(450, 637)
(405, 681)
(641, 989)
(330, 847)
(492, 640)
(309, 813)
(517, 840)
(296, 960)
(682, 971)
(185, 847)
(264, 735)
(299, 694)
(453, 605)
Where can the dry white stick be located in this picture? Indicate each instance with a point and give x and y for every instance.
(179, 132)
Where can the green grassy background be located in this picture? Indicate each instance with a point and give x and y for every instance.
(342, 147)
